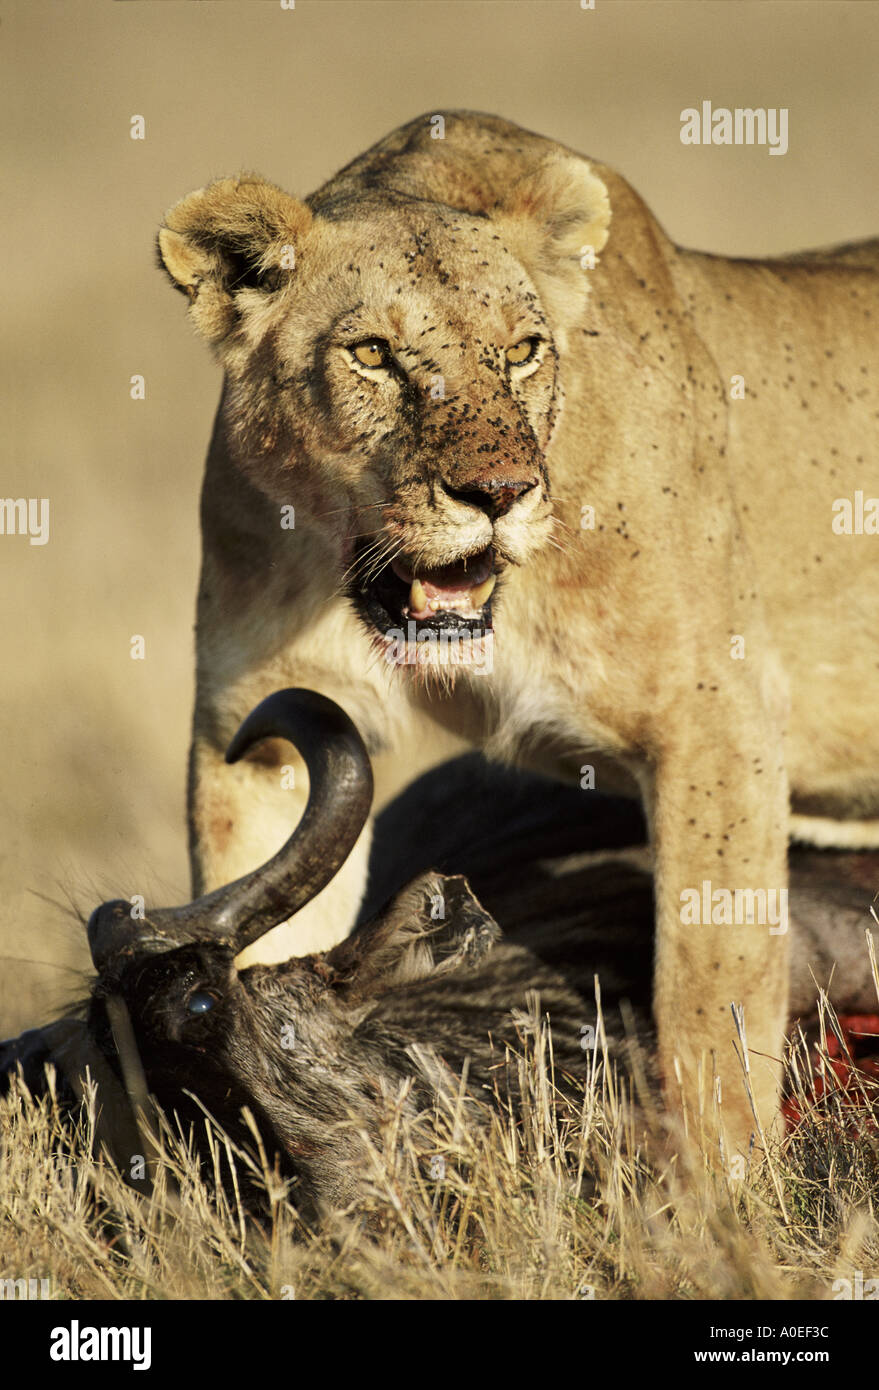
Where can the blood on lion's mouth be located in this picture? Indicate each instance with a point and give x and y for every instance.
(448, 599)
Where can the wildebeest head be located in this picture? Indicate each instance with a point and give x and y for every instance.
(310, 1045)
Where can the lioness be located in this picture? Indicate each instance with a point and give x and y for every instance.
(482, 487)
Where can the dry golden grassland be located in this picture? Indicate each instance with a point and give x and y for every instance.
(547, 1202)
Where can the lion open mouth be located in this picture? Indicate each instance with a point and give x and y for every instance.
(450, 598)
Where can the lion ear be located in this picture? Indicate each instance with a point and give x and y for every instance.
(556, 218)
(234, 236)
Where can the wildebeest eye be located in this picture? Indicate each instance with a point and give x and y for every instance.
(200, 1002)
(372, 352)
(523, 352)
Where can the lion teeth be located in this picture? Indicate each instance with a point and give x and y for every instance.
(463, 602)
(482, 592)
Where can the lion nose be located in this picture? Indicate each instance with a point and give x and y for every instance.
(492, 495)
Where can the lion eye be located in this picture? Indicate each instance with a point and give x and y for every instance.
(522, 352)
(374, 352)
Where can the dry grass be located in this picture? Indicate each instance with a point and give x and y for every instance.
(547, 1202)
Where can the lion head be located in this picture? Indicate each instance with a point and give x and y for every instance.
(394, 352)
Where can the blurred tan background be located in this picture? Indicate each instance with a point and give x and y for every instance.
(93, 743)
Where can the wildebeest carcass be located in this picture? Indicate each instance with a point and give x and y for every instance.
(427, 987)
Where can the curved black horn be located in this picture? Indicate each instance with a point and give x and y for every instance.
(339, 798)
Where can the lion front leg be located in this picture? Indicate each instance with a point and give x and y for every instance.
(718, 807)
